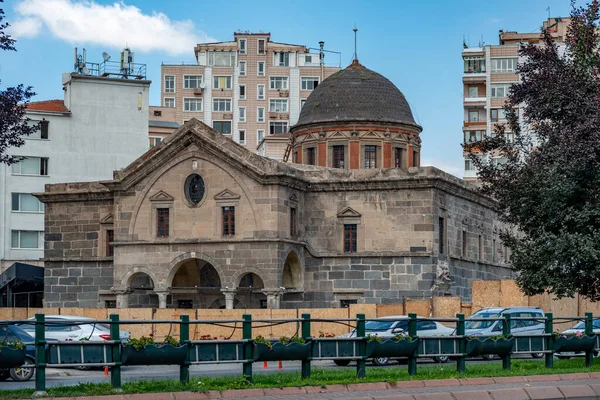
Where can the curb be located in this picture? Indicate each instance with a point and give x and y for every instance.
(559, 392)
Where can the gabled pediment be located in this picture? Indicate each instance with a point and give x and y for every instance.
(226, 195)
(107, 219)
(348, 212)
(338, 135)
(370, 135)
(162, 196)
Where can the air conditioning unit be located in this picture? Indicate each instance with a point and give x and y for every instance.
(273, 115)
(198, 91)
(227, 116)
(284, 93)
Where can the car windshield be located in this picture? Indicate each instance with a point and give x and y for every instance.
(481, 324)
(378, 326)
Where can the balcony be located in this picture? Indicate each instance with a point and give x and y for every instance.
(279, 116)
(474, 101)
(475, 124)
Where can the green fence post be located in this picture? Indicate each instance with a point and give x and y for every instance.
(40, 355)
(412, 332)
(361, 363)
(306, 336)
(549, 330)
(248, 346)
(589, 331)
(184, 340)
(115, 371)
(462, 344)
(506, 332)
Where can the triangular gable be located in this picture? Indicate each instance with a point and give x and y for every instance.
(107, 220)
(294, 197)
(162, 196)
(348, 212)
(338, 135)
(226, 195)
(371, 135)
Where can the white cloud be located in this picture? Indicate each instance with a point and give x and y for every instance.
(455, 169)
(111, 26)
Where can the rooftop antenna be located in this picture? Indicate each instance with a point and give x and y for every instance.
(355, 52)
(548, 9)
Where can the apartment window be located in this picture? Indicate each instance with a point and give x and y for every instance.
(169, 102)
(162, 222)
(242, 114)
(302, 102)
(370, 156)
(260, 92)
(260, 68)
(261, 46)
(292, 221)
(110, 238)
(276, 127)
(278, 83)
(25, 202)
(242, 68)
(480, 247)
(474, 136)
(464, 244)
(309, 82)
(397, 157)
(415, 158)
(154, 141)
(242, 136)
(42, 132)
(509, 137)
(221, 82)
(338, 156)
(469, 165)
(242, 92)
(474, 65)
(223, 127)
(441, 237)
(260, 135)
(27, 239)
(311, 156)
(192, 81)
(350, 238)
(222, 105)
(474, 116)
(278, 105)
(169, 83)
(192, 105)
(110, 304)
(260, 114)
(221, 58)
(500, 90)
(504, 65)
(31, 166)
(242, 46)
(228, 214)
(473, 91)
(282, 59)
(308, 59)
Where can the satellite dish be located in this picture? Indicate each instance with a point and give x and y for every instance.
(106, 56)
(85, 71)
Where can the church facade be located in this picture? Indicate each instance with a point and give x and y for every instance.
(199, 221)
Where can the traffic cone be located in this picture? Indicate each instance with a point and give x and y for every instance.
(265, 366)
(105, 370)
(280, 365)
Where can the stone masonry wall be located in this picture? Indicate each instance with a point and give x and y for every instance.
(76, 284)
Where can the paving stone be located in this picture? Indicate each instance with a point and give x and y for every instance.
(408, 384)
(509, 394)
(441, 382)
(574, 377)
(476, 381)
(242, 393)
(510, 379)
(579, 392)
(363, 387)
(544, 393)
(395, 397)
(542, 378)
(433, 396)
(472, 395)
(189, 396)
(284, 391)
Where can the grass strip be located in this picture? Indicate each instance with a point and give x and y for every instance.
(319, 377)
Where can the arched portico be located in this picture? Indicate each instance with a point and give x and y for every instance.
(193, 283)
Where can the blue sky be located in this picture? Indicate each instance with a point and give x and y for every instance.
(416, 44)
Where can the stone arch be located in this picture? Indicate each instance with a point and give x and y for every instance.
(291, 275)
(220, 304)
(251, 281)
(135, 271)
(195, 272)
(179, 260)
(250, 270)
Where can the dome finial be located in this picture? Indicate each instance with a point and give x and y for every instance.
(355, 52)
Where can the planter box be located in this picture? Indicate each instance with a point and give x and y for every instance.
(281, 352)
(481, 346)
(82, 354)
(574, 344)
(216, 351)
(391, 348)
(10, 357)
(154, 355)
(335, 348)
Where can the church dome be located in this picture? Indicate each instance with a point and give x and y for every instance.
(356, 94)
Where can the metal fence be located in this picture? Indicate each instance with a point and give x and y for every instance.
(248, 350)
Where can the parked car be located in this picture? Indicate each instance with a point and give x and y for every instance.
(70, 327)
(387, 327)
(580, 327)
(10, 333)
(494, 327)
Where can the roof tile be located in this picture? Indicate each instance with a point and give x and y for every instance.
(48, 105)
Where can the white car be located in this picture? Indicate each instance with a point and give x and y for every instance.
(387, 327)
(71, 328)
(580, 327)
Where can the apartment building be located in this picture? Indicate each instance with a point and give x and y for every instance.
(100, 125)
(489, 71)
(247, 88)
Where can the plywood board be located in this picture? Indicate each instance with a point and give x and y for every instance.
(370, 310)
(230, 330)
(386, 310)
(335, 328)
(485, 294)
(95, 313)
(446, 307)
(285, 329)
(586, 306)
(420, 307)
(511, 295)
(466, 309)
(136, 330)
(264, 329)
(46, 311)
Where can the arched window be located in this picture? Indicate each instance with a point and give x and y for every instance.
(194, 188)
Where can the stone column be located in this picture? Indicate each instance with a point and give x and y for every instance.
(122, 298)
(162, 299)
(229, 296)
(273, 297)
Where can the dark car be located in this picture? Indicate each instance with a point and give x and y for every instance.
(10, 333)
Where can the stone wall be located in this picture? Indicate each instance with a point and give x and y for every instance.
(76, 284)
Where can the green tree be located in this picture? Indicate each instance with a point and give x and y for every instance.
(548, 181)
(13, 102)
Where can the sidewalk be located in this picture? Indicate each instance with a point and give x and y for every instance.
(581, 386)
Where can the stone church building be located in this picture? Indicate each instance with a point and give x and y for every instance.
(200, 221)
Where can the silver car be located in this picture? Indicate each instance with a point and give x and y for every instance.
(388, 327)
(72, 328)
(580, 328)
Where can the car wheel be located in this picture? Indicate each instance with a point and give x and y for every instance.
(341, 363)
(537, 355)
(441, 359)
(4, 374)
(24, 372)
(487, 357)
(380, 361)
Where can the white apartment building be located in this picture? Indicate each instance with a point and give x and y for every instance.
(247, 89)
(100, 126)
